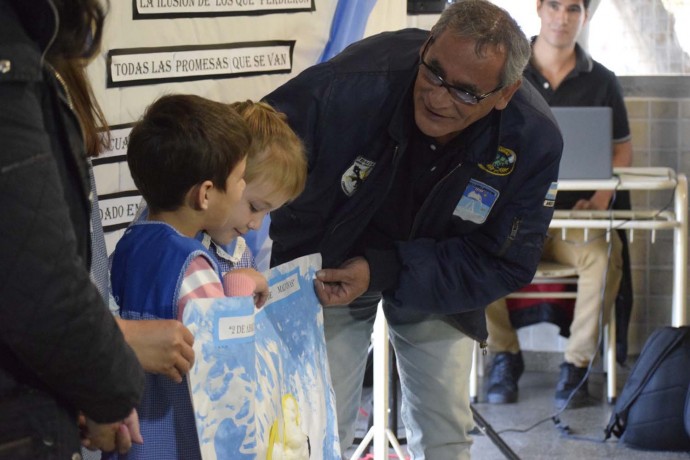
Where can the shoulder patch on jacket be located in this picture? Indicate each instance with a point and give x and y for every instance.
(503, 164)
(356, 174)
(476, 202)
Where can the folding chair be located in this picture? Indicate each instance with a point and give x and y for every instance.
(551, 273)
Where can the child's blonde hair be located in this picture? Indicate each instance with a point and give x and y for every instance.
(278, 157)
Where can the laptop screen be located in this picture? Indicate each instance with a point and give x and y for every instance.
(587, 142)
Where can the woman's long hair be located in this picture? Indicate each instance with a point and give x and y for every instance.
(81, 28)
(91, 117)
(78, 40)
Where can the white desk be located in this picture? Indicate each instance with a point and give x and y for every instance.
(645, 179)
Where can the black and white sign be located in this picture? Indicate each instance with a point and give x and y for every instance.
(118, 209)
(116, 150)
(141, 66)
(165, 9)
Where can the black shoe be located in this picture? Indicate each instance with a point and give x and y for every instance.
(505, 372)
(570, 378)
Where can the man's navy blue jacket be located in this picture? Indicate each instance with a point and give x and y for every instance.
(464, 251)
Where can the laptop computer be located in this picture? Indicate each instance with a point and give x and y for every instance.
(587, 142)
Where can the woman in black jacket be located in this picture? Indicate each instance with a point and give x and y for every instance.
(61, 353)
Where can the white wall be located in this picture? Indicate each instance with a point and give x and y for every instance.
(242, 35)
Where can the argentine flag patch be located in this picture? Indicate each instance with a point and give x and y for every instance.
(550, 198)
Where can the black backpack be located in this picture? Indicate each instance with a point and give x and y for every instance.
(653, 411)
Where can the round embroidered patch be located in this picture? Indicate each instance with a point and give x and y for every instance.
(503, 164)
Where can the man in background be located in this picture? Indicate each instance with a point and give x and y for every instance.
(566, 75)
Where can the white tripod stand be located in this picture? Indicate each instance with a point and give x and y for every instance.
(379, 432)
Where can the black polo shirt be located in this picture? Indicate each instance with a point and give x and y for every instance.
(588, 84)
(421, 166)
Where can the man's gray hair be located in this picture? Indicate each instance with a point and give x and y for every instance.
(489, 26)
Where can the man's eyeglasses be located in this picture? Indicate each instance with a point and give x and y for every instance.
(458, 94)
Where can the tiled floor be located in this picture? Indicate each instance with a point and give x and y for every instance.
(545, 441)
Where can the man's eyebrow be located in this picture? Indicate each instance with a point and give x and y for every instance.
(463, 86)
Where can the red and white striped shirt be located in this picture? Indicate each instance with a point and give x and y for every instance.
(202, 281)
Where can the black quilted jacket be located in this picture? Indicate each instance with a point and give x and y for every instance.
(57, 338)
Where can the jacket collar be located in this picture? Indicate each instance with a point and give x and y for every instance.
(583, 61)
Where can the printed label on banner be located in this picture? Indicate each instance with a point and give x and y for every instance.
(283, 289)
(128, 67)
(235, 327)
(476, 202)
(155, 9)
(118, 209)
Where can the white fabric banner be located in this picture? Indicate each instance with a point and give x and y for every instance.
(260, 382)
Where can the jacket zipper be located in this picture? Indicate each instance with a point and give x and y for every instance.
(513, 234)
(415, 223)
(483, 345)
(68, 96)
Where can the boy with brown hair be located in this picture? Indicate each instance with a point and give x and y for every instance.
(187, 156)
(275, 173)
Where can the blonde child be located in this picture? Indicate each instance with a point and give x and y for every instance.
(276, 174)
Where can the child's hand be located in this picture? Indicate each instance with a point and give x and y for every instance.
(260, 289)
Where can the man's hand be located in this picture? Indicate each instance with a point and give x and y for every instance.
(600, 201)
(261, 291)
(340, 286)
(163, 346)
(111, 436)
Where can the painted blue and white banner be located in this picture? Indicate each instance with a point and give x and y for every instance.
(260, 383)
